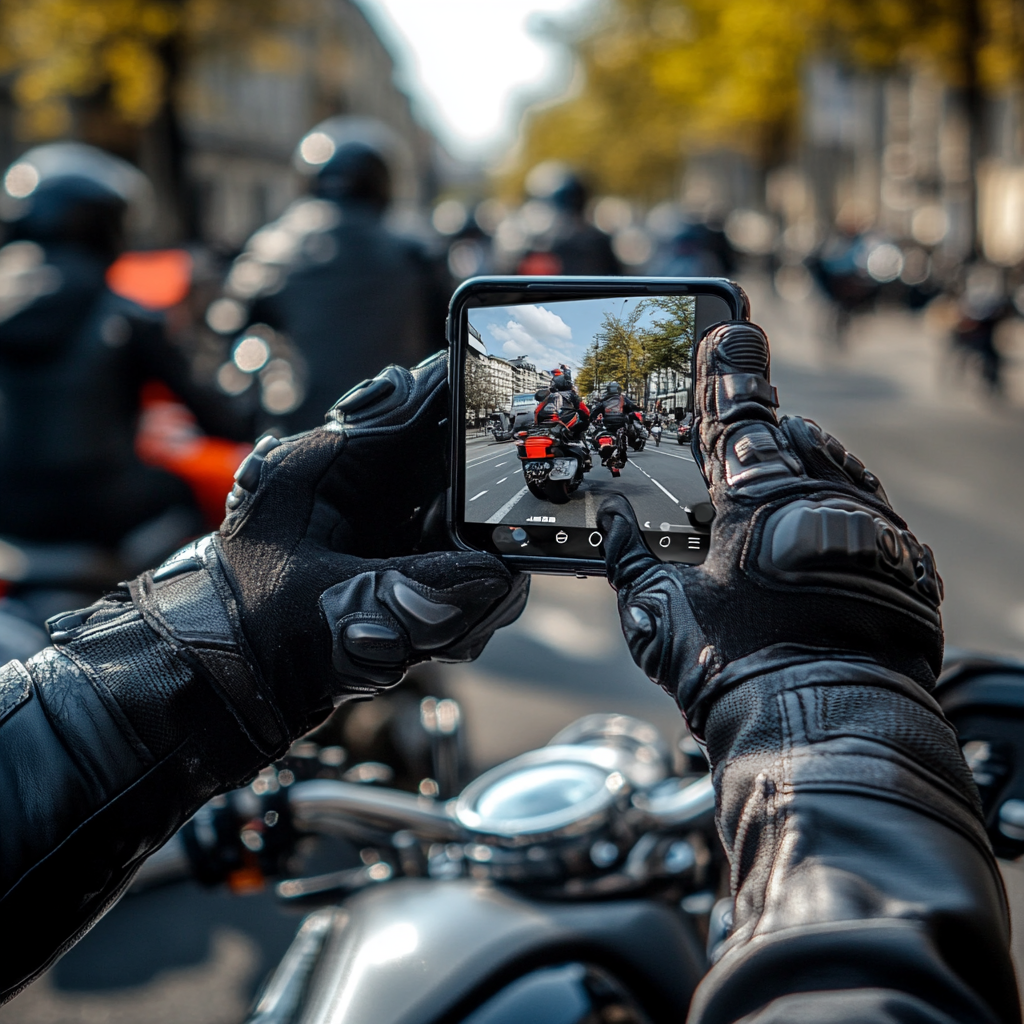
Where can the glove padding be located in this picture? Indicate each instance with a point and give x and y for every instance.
(316, 621)
(806, 552)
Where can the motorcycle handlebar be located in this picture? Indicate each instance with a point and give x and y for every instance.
(315, 804)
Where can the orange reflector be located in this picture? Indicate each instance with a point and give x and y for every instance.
(156, 280)
(246, 881)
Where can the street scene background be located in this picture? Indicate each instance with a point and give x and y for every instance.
(649, 340)
(861, 177)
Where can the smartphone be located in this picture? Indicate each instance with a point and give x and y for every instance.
(565, 389)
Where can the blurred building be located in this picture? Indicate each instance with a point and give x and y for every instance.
(895, 153)
(240, 112)
(242, 123)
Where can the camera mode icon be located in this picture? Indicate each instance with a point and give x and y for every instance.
(595, 539)
(561, 536)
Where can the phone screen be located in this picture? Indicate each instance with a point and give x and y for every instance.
(566, 402)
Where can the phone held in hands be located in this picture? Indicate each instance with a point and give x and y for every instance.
(556, 386)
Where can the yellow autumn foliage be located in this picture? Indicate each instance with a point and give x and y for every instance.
(58, 50)
(657, 78)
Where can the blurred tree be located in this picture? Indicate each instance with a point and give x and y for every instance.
(114, 68)
(657, 77)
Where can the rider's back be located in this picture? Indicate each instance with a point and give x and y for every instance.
(355, 296)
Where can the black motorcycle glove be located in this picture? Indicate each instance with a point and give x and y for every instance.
(191, 678)
(802, 653)
(280, 612)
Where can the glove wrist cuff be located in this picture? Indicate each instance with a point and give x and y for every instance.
(786, 666)
(189, 604)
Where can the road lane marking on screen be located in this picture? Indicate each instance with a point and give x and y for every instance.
(501, 481)
(499, 465)
(507, 507)
(480, 495)
(485, 458)
(685, 458)
(656, 484)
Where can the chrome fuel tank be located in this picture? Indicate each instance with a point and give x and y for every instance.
(415, 950)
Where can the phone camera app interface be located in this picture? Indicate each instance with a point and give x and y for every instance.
(567, 402)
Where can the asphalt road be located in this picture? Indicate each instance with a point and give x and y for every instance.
(660, 482)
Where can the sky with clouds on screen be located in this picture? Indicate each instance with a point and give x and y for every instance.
(548, 334)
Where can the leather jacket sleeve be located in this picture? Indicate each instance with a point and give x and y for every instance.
(107, 746)
(865, 888)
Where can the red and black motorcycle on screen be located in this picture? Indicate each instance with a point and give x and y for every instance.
(612, 446)
(554, 463)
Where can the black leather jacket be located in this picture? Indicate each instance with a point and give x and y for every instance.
(613, 411)
(73, 357)
(349, 294)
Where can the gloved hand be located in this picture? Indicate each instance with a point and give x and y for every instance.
(283, 609)
(806, 556)
(802, 653)
(188, 680)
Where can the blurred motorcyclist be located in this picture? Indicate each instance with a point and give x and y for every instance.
(560, 403)
(572, 245)
(343, 290)
(73, 357)
(982, 307)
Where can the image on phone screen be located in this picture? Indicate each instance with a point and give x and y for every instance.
(569, 401)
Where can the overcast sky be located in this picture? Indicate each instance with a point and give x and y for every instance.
(469, 63)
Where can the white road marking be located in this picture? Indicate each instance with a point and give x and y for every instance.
(501, 481)
(685, 458)
(656, 484)
(507, 507)
(499, 465)
(668, 492)
(482, 493)
(484, 458)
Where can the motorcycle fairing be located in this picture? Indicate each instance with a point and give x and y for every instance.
(417, 951)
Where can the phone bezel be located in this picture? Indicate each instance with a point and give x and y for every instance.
(502, 291)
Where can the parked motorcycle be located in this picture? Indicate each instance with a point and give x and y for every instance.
(572, 883)
(500, 426)
(553, 463)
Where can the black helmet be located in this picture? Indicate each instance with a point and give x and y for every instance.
(614, 388)
(559, 185)
(349, 158)
(69, 192)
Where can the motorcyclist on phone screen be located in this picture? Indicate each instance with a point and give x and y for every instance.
(330, 284)
(560, 403)
(73, 357)
(616, 409)
(802, 653)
